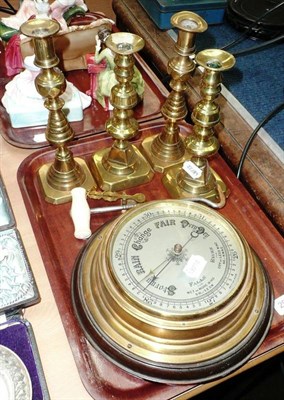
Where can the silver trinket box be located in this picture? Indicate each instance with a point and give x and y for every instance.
(21, 373)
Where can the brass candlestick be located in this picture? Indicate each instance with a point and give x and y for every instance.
(196, 178)
(65, 173)
(122, 166)
(167, 148)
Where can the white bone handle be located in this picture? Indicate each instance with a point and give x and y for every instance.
(80, 213)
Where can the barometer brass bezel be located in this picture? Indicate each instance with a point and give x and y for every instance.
(158, 345)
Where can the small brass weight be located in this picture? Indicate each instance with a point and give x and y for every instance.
(167, 148)
(65, 173)
(195, 178)
(122, 166)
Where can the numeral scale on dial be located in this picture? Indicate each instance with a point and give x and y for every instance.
(199, 264)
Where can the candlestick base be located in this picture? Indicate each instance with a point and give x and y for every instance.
(162, 155)
(61, 193)
(180, 185)
(115, 176)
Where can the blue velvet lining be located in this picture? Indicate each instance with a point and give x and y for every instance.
(17, 338)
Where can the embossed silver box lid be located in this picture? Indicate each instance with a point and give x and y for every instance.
(18, 288)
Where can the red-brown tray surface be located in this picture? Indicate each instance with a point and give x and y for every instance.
(95, 116)
(53, 229)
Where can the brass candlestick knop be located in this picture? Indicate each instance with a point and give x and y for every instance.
(167, 148)
(122, 166)
(65, 173)
(196, 178)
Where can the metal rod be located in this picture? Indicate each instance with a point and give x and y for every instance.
(101, 210)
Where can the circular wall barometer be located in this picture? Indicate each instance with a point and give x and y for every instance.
(171, 292)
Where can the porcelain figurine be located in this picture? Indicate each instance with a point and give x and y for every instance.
(102, 76)
(21, 96)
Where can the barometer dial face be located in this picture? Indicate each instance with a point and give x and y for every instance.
(176, 257)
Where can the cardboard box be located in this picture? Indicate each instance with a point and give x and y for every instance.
(161, 11)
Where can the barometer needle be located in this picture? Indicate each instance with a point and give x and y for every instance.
(155, 276)
(152, 272)
(177, 249)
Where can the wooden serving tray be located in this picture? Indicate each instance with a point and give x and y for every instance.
(94, 117)
(53, 229)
